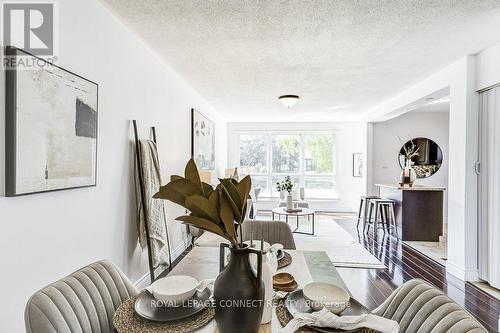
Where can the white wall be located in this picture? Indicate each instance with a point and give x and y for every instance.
(488, 68)
(387, 144)
(46, 236)
(459, 79)
(350, 138)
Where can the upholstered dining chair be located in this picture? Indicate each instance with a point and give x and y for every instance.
(271, 231)
(84, 301)
(419, 307)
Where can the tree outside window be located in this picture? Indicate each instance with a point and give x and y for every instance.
(309, 159)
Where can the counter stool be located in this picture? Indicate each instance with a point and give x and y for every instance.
(364, 203)
(385, 207)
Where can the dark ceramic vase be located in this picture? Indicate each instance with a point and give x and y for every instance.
(238, 292)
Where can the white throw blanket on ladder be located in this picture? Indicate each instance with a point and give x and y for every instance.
(156, 218)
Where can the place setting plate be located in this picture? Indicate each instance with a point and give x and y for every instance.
(145, 307)
(284, 259)
(280, 255)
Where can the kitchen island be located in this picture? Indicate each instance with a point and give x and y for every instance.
(419, 210)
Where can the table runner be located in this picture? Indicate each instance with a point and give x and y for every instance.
(203, 263)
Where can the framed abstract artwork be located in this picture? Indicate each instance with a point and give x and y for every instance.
(51, 128)
(202, 141)
(357, 165)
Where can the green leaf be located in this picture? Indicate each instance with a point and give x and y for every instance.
(231, 190)
(169, 194)
(236, 209)
(201, 207)
(243, 188)
(214, 200)
(191, 173)
(206, 225)
(177, 191)
(233, 197)
(202, 223)
(227, 216)
(207, 189)
(243, 214)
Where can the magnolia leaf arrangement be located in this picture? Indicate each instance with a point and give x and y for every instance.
(220, 210)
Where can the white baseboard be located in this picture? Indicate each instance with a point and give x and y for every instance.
(181, 248)
(145, 280)
(461, 273)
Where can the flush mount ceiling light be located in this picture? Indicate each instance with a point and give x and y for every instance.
(289, 101)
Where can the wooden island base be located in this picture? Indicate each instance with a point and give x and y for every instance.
(419, 211)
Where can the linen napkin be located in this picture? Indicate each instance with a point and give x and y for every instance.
(277, 294)
(204, 284)
(325, 318)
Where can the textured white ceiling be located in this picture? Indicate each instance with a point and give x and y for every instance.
(340, 56)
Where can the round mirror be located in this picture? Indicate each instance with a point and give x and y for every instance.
(425, 155)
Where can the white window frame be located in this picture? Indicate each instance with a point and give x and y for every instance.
(302, 174)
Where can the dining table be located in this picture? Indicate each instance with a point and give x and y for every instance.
(306, 266)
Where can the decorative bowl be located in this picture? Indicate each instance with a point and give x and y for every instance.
(284, 278)
(326, 295)
(174, 290)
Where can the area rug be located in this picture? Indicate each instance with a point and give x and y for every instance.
(341, 247)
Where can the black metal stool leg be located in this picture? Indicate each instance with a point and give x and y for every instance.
(366, 227)
(360, 208)
(393, 215)
(375, 220)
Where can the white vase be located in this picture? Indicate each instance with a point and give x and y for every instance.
(269, 267)
(289, 202)
(408, 174)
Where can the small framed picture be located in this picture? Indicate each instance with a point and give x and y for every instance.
(202, 141)
(357, 165)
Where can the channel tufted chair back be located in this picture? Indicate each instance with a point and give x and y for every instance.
(419, 307)
(82, 302)
(271, 231)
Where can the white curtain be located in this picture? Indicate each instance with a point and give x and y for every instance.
(489, 191)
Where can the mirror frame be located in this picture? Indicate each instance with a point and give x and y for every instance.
(439, 157)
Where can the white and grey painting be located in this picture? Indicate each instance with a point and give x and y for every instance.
(357, 166)
(56, 130)
(204, 142)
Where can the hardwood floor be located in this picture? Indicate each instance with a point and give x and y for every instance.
(372, 286)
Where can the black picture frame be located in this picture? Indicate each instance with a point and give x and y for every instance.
(193, 143)
(192, 132)
(11, 124)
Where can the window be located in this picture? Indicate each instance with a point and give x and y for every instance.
(253, 154)
(309, 159)
(286, 153)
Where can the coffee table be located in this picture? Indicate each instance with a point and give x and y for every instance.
(306, 212)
